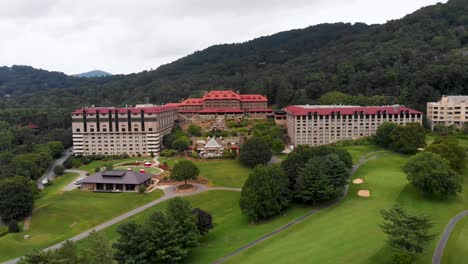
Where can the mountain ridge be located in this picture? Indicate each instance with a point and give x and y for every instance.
(414, 59)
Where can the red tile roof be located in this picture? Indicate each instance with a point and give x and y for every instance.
(222, 95)
(133, 110)
(299, 110)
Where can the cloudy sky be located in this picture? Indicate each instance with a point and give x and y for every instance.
(124, 36)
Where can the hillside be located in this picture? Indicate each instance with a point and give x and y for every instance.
(94, 73)
(413, 60)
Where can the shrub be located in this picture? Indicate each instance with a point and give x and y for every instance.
(3, 230)
(141, 189)
(59, 170)
(168, 153)
(204, 221)
(13, 227)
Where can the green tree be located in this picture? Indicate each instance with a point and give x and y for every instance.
(449, 149)
(204, 221)
(194, 130)
(56, 148)
(37, 257)
(67, 253)
(181, 143)
(432, 174)
(265, 193)
(255, 151)
(323, 178)
(383, 135)
(277, 145)
(407, 139)
(132, 244)
(184, 170)
(179, 212)
(98, 250)
(16, 198)
(408, 234)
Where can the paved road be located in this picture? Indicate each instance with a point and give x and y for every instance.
(369, 156)
(72, 186)
(168, 194)
(50, 171)
(439, 251)
(275, 160)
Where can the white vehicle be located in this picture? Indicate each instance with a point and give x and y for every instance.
(45, 181)
(78, 181)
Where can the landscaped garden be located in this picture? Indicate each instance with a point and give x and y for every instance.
(59, 215)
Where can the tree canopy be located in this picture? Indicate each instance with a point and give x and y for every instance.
(184, 170)
(432, 174)
(255, 151)
(265, 193)
(16, 198)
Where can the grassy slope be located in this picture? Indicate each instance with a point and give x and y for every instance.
(359, 151)
(226, 173)
(231, 230)
(456, 250)
(349, 232)
(60, 215)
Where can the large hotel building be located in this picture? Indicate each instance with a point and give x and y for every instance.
(316, 125)
(112, 131)
(225, 103)
(450, 110)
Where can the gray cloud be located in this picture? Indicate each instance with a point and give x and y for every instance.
(130, 36)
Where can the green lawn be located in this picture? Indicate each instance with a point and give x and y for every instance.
(101, 163)
(226, 173)
(59, 215)
(138, 168)
(349, 232)
(456, 250)
(359, 151)
(232, 230)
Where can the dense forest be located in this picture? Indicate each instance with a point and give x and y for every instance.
(410, 60)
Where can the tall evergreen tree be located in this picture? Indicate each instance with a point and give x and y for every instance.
(408, 234)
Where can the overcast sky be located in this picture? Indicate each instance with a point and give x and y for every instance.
(125, 36)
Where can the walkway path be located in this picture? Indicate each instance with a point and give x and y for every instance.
(439, 251)
(169, 193)
(369, 156)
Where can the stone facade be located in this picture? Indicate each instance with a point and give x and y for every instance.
(448, 111)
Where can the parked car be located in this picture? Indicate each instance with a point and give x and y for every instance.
(45, 181)
(78, 181)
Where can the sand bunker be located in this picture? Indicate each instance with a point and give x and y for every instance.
(364, 193)
(358, 181)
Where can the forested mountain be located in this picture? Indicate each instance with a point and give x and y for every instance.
(413, 60)
(91, 74)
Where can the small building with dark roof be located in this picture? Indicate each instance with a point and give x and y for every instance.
(116, 181)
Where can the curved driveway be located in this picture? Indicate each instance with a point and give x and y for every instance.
(439, 251)
(50, 170)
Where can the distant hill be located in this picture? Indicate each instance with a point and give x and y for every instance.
(413, 60)
(95, 73)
